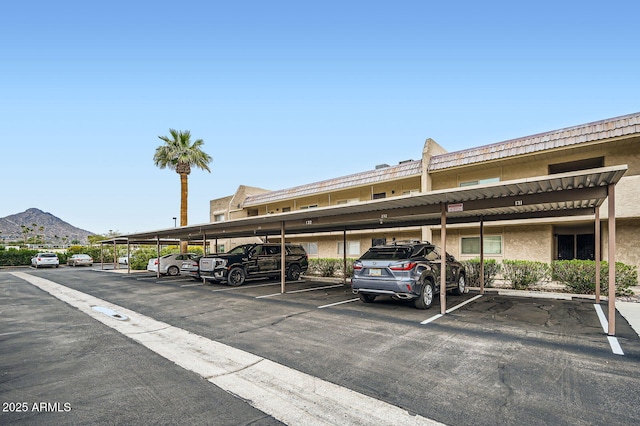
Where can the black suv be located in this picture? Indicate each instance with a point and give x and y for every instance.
(409, 271)
(252, 261)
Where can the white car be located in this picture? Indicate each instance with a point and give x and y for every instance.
(170, 264)
(45, 259)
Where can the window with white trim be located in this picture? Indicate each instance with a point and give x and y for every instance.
(480, 181)
(471, 245)
(310, 248)
(353, 248)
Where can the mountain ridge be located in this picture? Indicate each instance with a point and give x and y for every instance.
(48, 227)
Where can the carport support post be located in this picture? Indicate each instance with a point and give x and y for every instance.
(443, 259)
(283, 254)
(115, 254)
(158, 254)
(481, 255)
(611, 196)
(597, 254)
(344, 257)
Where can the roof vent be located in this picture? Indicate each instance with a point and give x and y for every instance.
(381, 166)
(405, 161)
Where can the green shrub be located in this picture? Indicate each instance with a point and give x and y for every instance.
(523, 273)
(580, 276)
(329, 267)
(472, 269)
(13, 257)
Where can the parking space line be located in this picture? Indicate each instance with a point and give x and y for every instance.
(244, 287)
(613, 341)
(338, 303)
(191, 285)
(286, 394)
(299, 291)
(459, 305)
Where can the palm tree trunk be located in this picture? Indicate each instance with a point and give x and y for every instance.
(184, 195)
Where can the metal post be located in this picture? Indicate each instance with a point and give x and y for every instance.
(611, 196)
(158, 254)
(481, 255)
(443, 259)
(283, 254)
(597, 254)
(344, 257)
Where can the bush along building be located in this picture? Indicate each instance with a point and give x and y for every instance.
(610, 142)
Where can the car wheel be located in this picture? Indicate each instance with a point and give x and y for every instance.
(294, 273)
(57, 266)
(462, 285)
(367, 298)
(426, 296)
(173, 271)
(236, 276)
(36, 265)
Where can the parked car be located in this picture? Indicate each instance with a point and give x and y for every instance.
(170, 263)
(80, 259)
(123, 260)
(408, 271)
(252, 261)
(45, 259)
(191, 268)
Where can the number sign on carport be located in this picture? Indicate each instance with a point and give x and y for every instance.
(567, 194)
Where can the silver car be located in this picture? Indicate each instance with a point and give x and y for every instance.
(80, 259)
(170, 264)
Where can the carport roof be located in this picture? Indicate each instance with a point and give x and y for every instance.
(565, 194)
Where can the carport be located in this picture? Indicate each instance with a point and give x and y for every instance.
(579, 193)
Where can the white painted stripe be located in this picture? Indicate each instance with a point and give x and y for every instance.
(288, 395)
(615, 345)
(463, 303)
(298, 291)
(602, 318)
(613, 341)
(433, 318)
(243, 287)
(338, 303)
(191, 285)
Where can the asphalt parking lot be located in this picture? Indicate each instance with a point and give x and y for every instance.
(494, 360)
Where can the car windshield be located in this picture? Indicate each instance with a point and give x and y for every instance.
(48, 255)
(391, 253)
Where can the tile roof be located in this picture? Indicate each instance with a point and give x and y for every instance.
(402, 170)
(609, 128)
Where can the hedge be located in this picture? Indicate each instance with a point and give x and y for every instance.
(580, 276)
(523, 273)
(472, 269)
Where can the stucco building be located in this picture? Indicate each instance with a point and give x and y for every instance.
(610, 142)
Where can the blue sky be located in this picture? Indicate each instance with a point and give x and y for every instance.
(283, 93)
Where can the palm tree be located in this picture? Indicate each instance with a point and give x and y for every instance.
(179, 154)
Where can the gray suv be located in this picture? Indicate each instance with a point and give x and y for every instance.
(409, 271)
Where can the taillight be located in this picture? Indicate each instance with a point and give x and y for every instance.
(404, 266)
(357, 266)
(156, 262)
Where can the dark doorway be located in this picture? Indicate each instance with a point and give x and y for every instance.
(576, 246)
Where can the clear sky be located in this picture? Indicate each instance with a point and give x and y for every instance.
(283, 93)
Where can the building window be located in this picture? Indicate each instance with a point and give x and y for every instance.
(411, 192)
(310, 248)
(471, 245)
(349, 201)
(311, 206)
(286, 209)
(378, 242)
(576, 246)
(218, 217)
(353, 248)
(379, 195)
(480, 181)
(574, 166)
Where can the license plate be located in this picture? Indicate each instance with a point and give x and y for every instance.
(375, 272)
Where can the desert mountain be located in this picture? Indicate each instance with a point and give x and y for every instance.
(40, 225)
